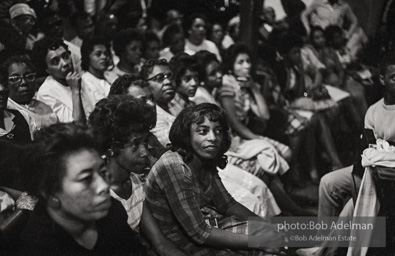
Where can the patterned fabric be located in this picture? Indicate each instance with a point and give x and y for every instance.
(176, 198)
(295, 122)
(134, 204)
(26, 202)
(242, 100)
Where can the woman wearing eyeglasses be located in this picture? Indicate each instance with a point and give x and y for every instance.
(13, 127)
(159, 78)
(21, 85)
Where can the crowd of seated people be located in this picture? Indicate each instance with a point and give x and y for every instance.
(136, 128)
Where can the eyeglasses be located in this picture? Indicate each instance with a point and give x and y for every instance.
(160, 78)
(18, 79)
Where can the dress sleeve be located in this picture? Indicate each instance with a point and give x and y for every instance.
(176, 183)
(63, 113)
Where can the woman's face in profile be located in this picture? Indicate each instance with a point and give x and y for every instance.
(206, 139)
(100, 58)
(214, 75)
(189, 83)
(84, 193)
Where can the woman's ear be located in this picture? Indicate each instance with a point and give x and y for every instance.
(53, 202)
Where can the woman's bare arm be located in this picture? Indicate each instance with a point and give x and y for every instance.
(150, 229)
(241, 129)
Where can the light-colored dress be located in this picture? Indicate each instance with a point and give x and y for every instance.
(97, 88)
(59, 98)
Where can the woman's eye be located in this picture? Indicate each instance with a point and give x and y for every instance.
(87, 179)
(219, 131)
(105, 174)
(202, 132)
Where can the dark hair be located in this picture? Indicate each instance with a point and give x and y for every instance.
(43, 164)
(231, 54)
(78, 16)
(180, 131)
(116, 117)
(288, 41)
(210, 28)
(313, 30)
(180, 64)
(187, 25)
(124, 37)
(149, 65)
(3, 76)
(41, 49)
(203, 58)
(87, 47)
(121, 85)
(170, 32)
(330, 33)
(386, 61)
(150, 36)
(18, 58)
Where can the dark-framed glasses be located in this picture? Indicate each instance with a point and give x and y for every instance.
(18, 79)
(160, 78)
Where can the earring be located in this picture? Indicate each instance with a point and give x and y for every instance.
(109, 153)
(54, 202)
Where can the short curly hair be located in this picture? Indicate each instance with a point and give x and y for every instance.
(188, 23)
(203, 58)
(180, 131)
(182, 62)
(43, 165)
(18, 58)
(116, 117)
(124, 37)
(87, 47)
(149, 65)
(121, 85)
(41, 49)
(231, 56)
